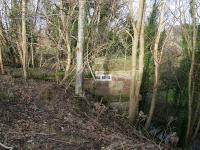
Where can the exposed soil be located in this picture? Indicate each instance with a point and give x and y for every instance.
(40, 115)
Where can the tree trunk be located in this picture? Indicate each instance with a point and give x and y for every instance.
(41, 60)
(32, 52)
(1, 62)
(195, 115)
(136, 77)
(196, 130)
(2, 41)
(191, 72)
(141, 61)
(79, 51)
(153, 100)
(132, 112)
(66, 40)
(157, 66)
(24, 48)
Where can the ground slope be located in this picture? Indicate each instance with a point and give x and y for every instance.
(43, 115)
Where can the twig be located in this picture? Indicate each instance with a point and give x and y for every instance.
(145, 138)
(6, 147)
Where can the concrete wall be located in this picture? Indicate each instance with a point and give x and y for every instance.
(119, 85)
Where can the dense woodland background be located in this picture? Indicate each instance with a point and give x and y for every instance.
(60, 41)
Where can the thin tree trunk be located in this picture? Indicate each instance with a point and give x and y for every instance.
(24, 48)
(32, 52)
(153, 100)
(196, 115)
(1, 62)
(66, 40)
(1, 37)
(79, 52)
(157, 66)
(36, 11)
(191, 72)
(196, 130)
(59, 45)
(41, 59)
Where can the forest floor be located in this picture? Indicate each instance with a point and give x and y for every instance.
(42, 115)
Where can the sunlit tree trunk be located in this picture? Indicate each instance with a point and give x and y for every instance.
(136, 76)
(141, 60)
(157, 61)
(79, 51)
(24, 45)
(32, 52)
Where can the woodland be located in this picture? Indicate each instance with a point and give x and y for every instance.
(48, 48)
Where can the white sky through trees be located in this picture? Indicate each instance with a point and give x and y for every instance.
(172, 16)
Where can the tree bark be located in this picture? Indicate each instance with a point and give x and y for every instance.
(66, 40)
(196, 130)
(1, 57)
(153, 100)
(157, 62)
(141, 59)
(191, 72)
(24, 45)
(32, 52)
(136, 77)
(195, 115)
(1, 62)
(79, 51)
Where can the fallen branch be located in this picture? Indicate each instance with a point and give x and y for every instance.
(6, 147)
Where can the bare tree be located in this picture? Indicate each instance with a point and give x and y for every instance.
(31, 42)
(79, 51)
(65, 20)
(66, 39)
